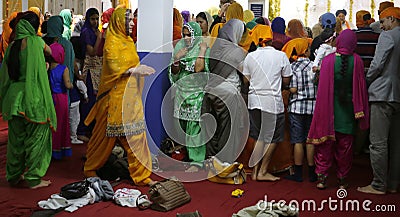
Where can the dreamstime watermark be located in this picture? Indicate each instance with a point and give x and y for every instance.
(339, 203)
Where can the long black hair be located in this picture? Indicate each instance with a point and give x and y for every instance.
(343, 72)
(13, 61)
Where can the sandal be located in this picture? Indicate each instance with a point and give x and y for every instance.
(342, 183)
(321, 183)
(143, 202)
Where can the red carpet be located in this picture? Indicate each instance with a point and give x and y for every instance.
(212, 200)
(3, 130)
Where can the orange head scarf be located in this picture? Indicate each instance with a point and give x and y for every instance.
(37, 11)
(5, 36)
(261, 34)
(300, 45)
(119, 51)
(295, 29)
(177, 24)
(234, 11)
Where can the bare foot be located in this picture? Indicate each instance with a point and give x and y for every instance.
(254, 175)
(43, 183)
(192, 169)
(369, 190)
(267, 177)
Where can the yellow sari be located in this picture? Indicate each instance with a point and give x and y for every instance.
(119, 111)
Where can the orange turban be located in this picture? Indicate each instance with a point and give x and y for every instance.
(261, 33)
(360, 22)
(384, 5)
(392, 11)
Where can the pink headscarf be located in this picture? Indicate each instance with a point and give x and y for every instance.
(346, 42)
(57, 52)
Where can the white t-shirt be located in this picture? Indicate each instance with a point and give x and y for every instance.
(265, 68)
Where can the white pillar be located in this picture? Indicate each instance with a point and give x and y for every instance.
(1, 17)
(154, 46)
(24, 5)
(154, 25)
(46, 6)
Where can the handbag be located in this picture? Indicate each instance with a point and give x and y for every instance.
(189, 214)
(225, 173)
(75, 190)
(167, 195)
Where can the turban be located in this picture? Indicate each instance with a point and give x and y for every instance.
(384, 5)
(328, 20)
(363, 18)
(343, 11)
(392, 11)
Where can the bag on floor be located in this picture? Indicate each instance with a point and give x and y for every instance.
(189, 214)
(75, 190)
(225, 173)
(167, 195)
(114, 168)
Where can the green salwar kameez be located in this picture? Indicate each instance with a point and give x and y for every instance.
(189, 95)
(27, 105)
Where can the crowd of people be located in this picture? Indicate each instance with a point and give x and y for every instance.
(66, 82)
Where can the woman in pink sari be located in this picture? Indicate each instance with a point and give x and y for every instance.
(342, 98)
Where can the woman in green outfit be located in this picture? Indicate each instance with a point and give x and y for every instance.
(27, 105)
(190, 56)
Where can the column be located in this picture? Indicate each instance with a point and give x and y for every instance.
(154, 48)
(2, 18)
(24, 5)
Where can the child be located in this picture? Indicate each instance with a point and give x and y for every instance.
(301, 108)
(327, 36)
(79, 88)
(59, 83)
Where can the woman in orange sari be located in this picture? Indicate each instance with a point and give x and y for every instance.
(5, 36)
(118, 110)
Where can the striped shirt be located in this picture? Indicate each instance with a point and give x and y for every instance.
(302, 102)
(366, 44)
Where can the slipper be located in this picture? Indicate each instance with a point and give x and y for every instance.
(143, 202)
(369, 190)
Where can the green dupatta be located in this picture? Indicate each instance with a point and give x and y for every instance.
(67, 21)
(55, 29)
(37, 103)
(190, 90)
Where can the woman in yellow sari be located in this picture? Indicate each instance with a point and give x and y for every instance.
(118, 110)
